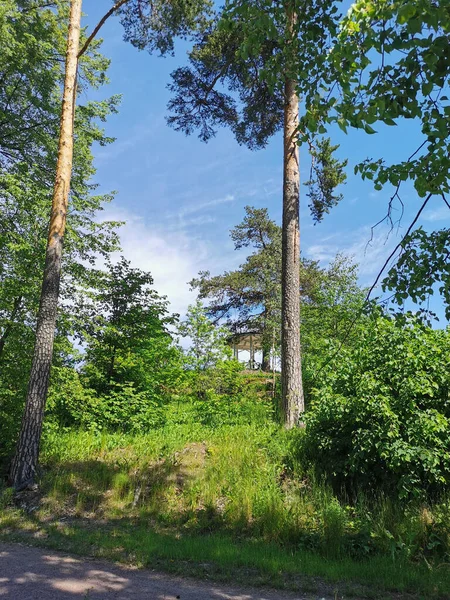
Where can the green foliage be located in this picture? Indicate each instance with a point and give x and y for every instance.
(422, 267)
(10, 414)
(32, 47)
(6, 497)
(126, 331)
(69, 403)
(327, 173)
(215, 390)
(208, 373)
(138, 383)
(382, 63)
(331, 318)
(122, 407)
(237, 72)
(249, 298)
(332, 309)
(153, 25)
(130, 366)
(215, 62)
(125, 408)
(390, 62)
(380, 419)
(220, 410)
(30, 41)
(208, 342)
(205, 452)
(241, 481)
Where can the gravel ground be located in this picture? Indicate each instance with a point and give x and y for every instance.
(28, 573)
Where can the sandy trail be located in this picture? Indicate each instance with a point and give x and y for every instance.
(28, 573)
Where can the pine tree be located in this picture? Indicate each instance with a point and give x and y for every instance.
(150, 25)
(266, 55)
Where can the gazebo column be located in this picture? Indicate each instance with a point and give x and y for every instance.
(252, 353)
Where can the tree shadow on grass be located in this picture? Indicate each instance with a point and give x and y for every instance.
(97, 488)
(119, 486)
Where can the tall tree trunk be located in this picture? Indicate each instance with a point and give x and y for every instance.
(291, 366)
(266, 338)
(265, 364)
(112, 360)
(24, 464)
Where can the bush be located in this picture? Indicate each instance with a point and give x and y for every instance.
(69, 403)
(123, 408)
(222, 379)
(128, 410)
(11, 407)
(232, 410)
(381, 420)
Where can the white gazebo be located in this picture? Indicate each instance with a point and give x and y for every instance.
(247, 342)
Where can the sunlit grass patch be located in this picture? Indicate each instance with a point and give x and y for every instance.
(232, 499)
(220, 556)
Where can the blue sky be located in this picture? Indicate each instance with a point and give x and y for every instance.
(180, 197)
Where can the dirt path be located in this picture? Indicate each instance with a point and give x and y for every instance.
(28, 573)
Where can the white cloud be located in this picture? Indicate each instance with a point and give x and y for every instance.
(194, 208)
(369, 253)
(322, 252)
(439, 214)
(172, 259)
(201, 220)
(172, 256)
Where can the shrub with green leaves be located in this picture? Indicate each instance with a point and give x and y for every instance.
(381, 420)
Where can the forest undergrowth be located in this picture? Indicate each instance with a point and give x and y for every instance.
(205, 480)
(159, 448)
(207, 500)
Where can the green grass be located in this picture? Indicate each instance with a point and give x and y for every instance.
(218, 556)
(222, 503)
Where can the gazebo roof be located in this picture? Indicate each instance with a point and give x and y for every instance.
(246, 341)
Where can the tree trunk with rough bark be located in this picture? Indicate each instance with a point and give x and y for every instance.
(24, 464)
(265, 364)
(112, 361)
(266, 344)
(291, 366)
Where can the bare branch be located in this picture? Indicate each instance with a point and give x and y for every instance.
(373, 286)
(100, 24)
(392, 254)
